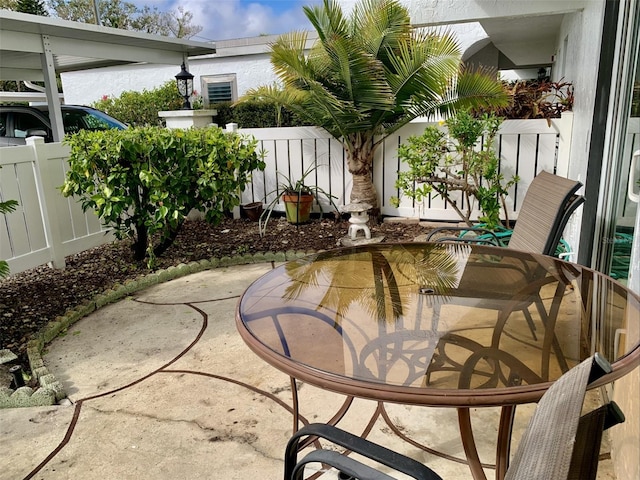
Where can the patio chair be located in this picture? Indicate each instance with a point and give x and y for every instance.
(549, 203)
(558, 443)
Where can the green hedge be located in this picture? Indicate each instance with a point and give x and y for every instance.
(140, 109)
(255, 115)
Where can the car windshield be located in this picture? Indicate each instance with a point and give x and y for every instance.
(76, 120)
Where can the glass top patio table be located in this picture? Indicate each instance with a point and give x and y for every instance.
(440, 324)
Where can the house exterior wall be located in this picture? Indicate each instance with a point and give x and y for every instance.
(86, 87)
(247, 58)
(453, 11)
(577, 62)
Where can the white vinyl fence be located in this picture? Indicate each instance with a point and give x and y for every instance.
(525, 147)
(46, 227)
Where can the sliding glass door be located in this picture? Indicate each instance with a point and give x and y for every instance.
(621, 172)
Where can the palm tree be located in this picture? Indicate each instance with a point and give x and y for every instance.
(369, 74)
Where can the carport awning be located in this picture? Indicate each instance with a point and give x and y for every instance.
(79, 46)
(35, 48)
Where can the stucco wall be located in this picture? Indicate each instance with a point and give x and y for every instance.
(577, 62)
(247, 58)
(86, 87)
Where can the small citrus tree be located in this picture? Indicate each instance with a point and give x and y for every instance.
(463, 160)
(143, 182)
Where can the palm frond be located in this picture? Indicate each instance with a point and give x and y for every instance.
(380, 25)
(328, 20)
(8, 206)
(418, 74)
(472, 89)
(356, 76)
(272, 94)
(4, 269)
(288, 58)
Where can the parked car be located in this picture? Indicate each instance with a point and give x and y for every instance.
(18, 122)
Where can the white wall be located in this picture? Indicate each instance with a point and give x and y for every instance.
(449, 11)
(86, 87)
(577, 62)
(248, 58)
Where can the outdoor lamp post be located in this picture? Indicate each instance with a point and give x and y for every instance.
(542, 73)
(185, 86)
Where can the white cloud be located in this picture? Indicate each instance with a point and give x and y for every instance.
(224, 19)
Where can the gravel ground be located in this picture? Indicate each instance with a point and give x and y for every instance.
(29, 300)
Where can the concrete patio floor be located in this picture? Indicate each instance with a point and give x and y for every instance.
(161, 386)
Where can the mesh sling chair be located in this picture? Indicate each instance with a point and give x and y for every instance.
(558, 443)
(547, 206)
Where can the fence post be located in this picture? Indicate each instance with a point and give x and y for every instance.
(231, 128)
(46, 193)
(564, 127)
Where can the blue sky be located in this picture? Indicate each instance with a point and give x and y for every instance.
(224, 19)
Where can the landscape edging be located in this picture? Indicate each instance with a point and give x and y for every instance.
(51, 390)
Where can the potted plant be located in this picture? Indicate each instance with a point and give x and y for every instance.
(252, 210)
(298, 198)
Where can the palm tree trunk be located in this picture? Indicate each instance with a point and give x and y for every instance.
(360, 151)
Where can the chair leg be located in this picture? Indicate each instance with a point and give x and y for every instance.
(584, 461)
(532, 326)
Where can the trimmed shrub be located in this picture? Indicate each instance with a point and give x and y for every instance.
(256, 115)
(144, 181)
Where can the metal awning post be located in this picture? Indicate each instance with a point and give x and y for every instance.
(51, 86)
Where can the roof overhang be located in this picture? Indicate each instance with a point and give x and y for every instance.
(525, 40)
(524, 31)
(79, 46)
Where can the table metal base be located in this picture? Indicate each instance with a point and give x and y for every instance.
(472, 459)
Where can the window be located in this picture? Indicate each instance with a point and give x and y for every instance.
(24, 122)
(219, 88)
(3, 124)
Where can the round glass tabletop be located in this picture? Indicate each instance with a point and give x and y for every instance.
(437, 323)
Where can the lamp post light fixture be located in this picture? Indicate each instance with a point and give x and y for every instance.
(542, 74)
(185, 86)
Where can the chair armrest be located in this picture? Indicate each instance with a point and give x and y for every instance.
(600, 367)
(356, 444)
(348, 466)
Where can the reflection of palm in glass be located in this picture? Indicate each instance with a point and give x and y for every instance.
(379, 281)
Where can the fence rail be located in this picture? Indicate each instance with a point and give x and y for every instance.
(46, 227)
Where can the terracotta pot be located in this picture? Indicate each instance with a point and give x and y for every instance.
(252, 210)
(298, 208)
